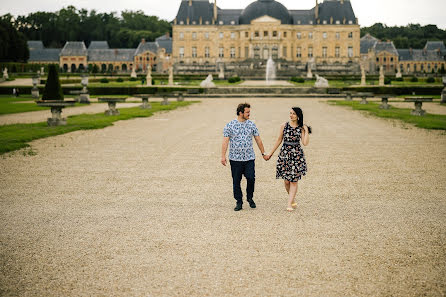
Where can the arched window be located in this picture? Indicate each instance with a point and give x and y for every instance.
(65, 67)
(73, 68)
(124, 67)
(103, 67)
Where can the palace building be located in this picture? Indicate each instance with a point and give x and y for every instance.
(206, 36)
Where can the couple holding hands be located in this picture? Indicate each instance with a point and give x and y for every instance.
(291, 164)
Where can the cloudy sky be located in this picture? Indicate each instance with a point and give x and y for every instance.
(389, 12)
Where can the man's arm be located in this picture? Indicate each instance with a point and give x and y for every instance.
(260, 145)
(224, 148)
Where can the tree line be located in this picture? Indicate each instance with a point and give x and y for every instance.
(410, 36)
(127, 30)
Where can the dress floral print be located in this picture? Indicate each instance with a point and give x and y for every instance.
(291, 164)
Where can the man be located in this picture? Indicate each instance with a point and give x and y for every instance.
(238, 133)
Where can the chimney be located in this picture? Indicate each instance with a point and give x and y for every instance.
(316, 10)
(143, 40)
(190, 2)
(342, 1)
(215, 10)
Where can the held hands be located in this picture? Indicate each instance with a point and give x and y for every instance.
(266, 157)
(223, 161)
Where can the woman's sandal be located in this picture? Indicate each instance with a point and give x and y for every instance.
(294, 205)
(289, 209)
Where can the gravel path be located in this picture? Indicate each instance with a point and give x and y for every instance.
(144, 208)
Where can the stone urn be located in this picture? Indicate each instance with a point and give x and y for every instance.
(56, 110)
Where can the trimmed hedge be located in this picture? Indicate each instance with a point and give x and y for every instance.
(297, 79)
(234, 79)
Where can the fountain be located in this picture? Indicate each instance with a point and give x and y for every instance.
(149, 76)
(270, 70)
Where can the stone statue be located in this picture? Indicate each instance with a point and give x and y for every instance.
(363, 80)
(221, 75)
(309, 68)
(133, 74)
(443, 93)
(207, 83)
(42, 71)
(381, 75)
(149, 76)
(398, 74)
(321, 82)
(5, 73)
(170, 76)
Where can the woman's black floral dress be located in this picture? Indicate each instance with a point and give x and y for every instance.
(291, 164)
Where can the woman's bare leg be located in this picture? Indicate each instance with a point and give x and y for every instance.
(292, 193)
(287, 186)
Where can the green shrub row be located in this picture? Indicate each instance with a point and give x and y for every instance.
(297, 79)
(234, 79)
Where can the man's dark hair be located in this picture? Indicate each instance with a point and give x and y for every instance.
(241, 107)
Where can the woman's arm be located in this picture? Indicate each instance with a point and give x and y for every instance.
(279, 140)
(305, 135)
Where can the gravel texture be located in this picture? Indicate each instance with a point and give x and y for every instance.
(144, 208)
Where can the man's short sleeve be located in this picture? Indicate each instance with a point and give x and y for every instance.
(255, 131)
(226, 131)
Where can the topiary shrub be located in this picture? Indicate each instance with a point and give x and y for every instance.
(133, 79)
(414, 79)
(399, 79)
(104, 80)
(387, 81)
(297, 79)
(53, 90)
(430, 80)
(119, 79)
(234, 79)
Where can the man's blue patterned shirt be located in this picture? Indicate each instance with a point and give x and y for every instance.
(240, 139)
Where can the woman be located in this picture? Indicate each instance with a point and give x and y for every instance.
(291, 164)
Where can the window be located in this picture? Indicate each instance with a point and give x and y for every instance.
(324, 52)
(221, 52)
(220, 35)
(265, 33)
(257, 52)
(232, 52)
(350, 51)
(181, 35)
(274, 33)
(246, 52)
(284, 34)
(338, 35)
(415, 67)
(391, 59)
(206, 52)
(324, 35)
(284, 51)
(256, 34)
(246, 34)
(206, 35)
(232, 35)
(310, 52)
(385, 59)
(194, 52)
(194, 35)
(310, 35)
(299, 35)
(181, 52)
(337, 51)
(350, 35)
(377, 59)
(275, 51)
(299, 52)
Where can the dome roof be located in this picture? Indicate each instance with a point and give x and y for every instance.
(260, 8)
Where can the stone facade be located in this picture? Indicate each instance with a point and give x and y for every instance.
(325, 35)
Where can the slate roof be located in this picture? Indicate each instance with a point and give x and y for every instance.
(435, 45)
(44, 55)
(386, 46)
(367, 42)
(227, 16)
(336, 10)
(74, 48)
(419, 55)
(199, 8)
(165, 42)
(35, 44)
(98, 45)
(303, 17)
(146, 46)
(260, 8)
(111, 55)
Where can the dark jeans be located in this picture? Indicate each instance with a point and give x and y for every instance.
(246, 168)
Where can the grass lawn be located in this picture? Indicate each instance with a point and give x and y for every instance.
(10, 104)
(17, 136)
(429, 121)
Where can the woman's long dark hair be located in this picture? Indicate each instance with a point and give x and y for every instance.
(300, 118)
